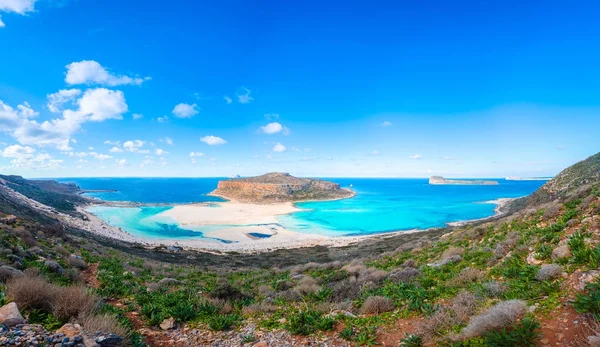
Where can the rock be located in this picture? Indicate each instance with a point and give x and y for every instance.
(561, 252)
(89, 342)
(107, 340)
(587, 277)
(587, 220)
(449, 260)
(10, 315)
(176, 249)
(282, 321)
(70, 330)
(167, 281)
(261, 344)
(54, 266)
(168, 324)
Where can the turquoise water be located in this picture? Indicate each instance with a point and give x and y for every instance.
(380, 205)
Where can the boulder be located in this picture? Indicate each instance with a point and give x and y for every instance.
(70, 330)
(168, 324)
(10, 315)
(54, 266)
(561, 252)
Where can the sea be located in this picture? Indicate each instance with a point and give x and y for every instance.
(381, 205)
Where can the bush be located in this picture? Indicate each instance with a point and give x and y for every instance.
(258, 308)
(549, 272)
(525, 333)
(104, 323)
(307, 285)
(467, 275)
(377, 305)
(34, 292)
(77, 263)
(501, 315)
(411, 340)
(552, 211)
(494, 289)
(463, 306)
(406, 275)
(307, 322)
(589, 302)
(226, 291)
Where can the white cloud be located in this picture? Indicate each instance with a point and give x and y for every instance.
(121, 162)
(100, 156)
(2, 25)
(278, 147)
(272, 128)
(167, 140)
(213, 140)
(416, 156)
(17, 151)
(115, 150)
(196, 154)
(136, 116)
(25, 156)
(162, 119)
(133, 146)
(386, 124)
(185, 110)
(244, 95)
(114, 143)
(101, 104)
(91, 72)
(17, 6)
(90, 148)
(58, 99)
(227, 99)
(160, 152)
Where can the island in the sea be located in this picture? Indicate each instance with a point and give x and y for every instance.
(437, 180)
(278, 187)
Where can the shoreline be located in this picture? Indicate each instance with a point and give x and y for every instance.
(240, 235)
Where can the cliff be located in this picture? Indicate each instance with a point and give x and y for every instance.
(441, 180)
(279, 187)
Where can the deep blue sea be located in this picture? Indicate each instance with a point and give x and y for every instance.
(380, 205)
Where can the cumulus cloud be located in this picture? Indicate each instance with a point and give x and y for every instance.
(227, 99)
(58, 99)
(27, 157)
(167, 140)
(121, 162)
(91, 72)
(196, 154)
(134, 146)
(386, 124)
(185, 110)
(136, 116)
(163, 119)
(244, 95)
(416, 156)
(16, 6)
(100, 156)
(101, 104)
(160, 152)
(213, 140)
(109, 142)
(278, 147)
(115, 150)
(271, 128)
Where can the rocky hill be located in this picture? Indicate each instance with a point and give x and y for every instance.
(279, 187)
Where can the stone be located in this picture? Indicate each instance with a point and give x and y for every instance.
(10, 315)
(108, 340)
(54, 266)
(70, 330)
(261, 344)
(168, 324)
(282, 321)
(561, 252)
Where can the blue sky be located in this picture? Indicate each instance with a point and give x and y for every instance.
(377, 89)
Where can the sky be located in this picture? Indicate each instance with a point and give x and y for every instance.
(315, 88)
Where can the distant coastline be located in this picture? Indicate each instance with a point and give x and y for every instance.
(439, 180)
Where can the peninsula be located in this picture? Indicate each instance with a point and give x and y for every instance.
(439, 180)
(277, 187)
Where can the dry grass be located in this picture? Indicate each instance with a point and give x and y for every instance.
(104, 323)
(258, 308)
(501, 315)
(377, 305)
(452, 251)
(354, 267)
(34, 292)
(494, 289)
(466, 276)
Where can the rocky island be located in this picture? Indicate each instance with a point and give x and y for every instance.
(277, 187)
(439, 180)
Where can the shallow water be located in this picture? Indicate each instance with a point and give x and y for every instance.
(380, 205)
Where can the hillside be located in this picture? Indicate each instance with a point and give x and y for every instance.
(530, 278)
(279, 187)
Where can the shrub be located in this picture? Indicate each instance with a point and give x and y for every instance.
(8, 272)
(372, 275)
(405, 275)
(499, 316)
(411, 340)
(354, 267)
(377, 305)
(307, 285)
(73, 302)
(467, 275)
(589, 302)
(552, 211)
(307, 322)
(549, 272)
(77, 263)
(222, 322)
(452, 251)
(258, 308)
(463, 306)
(224, 290)
(494, 289)
(524, 333)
